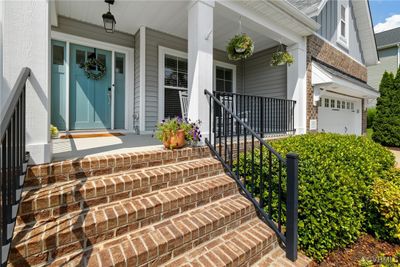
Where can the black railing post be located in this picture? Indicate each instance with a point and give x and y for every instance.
(262, 130)
(292, 161)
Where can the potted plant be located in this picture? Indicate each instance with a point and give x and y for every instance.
(240, 47)
(281, 57)
(54, 132)
(174, 133)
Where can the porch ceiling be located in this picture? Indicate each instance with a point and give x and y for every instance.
(165, 16)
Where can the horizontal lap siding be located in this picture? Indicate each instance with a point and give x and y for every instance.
(263, 80)
(154, 39)
(86, 30)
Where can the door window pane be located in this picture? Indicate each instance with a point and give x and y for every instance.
(119, 65)
(58, 55)
(102, 59)
(80, 57)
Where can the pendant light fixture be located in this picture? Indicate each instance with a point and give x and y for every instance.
(108, 18)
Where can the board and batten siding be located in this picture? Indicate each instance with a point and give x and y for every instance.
(87, 30)
(154, 39)
(328, 19)
(262, 79)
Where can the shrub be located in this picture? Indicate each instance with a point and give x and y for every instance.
(384, 208)
(335, 176)
(370, 117)
(386, 124)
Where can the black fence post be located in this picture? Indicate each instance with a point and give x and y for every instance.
(262, 130)
(292, 205)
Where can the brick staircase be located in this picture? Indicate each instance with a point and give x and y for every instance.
(172, 208)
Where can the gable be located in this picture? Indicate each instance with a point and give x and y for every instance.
(328, 18)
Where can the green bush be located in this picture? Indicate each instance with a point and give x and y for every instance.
(386, 124)
(335, 176)
(370, 117)
(384, 208)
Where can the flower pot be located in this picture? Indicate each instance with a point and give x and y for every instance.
(240, 50)
(175, 140)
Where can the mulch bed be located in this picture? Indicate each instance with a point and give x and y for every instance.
(366, 247)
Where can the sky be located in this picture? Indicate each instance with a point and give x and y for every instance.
(385, 14)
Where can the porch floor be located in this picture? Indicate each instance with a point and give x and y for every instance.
(65, 149)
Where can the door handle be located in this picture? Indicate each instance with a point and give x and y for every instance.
(109, 95)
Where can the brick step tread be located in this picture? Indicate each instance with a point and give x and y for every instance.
(110, 219)
(277, 258)
(107, 164)
(117, 186)
(239, 247)
(172, 236)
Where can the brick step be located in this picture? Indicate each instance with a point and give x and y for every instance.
(109, 220)
(49, 202)
(277, 258)
(101, 165)
(242, 246)
(153, 244)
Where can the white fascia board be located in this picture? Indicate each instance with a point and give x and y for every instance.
(321, 78)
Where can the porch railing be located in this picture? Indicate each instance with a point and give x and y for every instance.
(13, 159)
(264, 115)
(267, 179)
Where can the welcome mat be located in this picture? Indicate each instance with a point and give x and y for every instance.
(91, 135)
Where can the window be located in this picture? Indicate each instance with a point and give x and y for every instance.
(352, 106)
(119, 64)
(223, 79)
(58, 55)
(343, 21)
(338, 104)
(348, 105)
(175, 80)
(332, 103)
(343, 105)
(326, 102)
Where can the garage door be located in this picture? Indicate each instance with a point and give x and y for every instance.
(338, 114)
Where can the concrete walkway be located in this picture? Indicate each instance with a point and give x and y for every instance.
(396, 152)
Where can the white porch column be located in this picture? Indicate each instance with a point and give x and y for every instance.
(26, 43)
(200, 60)
(297, 85)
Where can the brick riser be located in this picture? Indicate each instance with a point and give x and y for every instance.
(70, 170)
(77, 230)
(51, 202)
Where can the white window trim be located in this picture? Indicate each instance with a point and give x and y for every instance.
(129, 70)
(340, 40)
(162, 51)
(226, 66)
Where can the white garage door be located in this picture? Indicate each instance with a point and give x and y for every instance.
(339, 114)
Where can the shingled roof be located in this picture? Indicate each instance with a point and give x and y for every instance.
(308, 7)
(388, 38)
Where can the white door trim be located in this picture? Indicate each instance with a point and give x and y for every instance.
(129, 71)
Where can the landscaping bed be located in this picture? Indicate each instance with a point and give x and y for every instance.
(367, 248)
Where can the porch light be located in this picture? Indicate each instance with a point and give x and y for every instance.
(108, 18)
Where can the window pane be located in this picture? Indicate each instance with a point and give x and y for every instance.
(332, 103)
(119, 65)
(101, 58)
(80, 57)
(171, 63)
(182, 65)
(338, 104)
(342, 29)
(220, 73)
(228, 86)
(182, 80)
(228, 75)
(326, 102)
(348, 105)
(172, 104)
(343, 13)
(171, 78)
(352, 106)
(58, 55)
(343, 105)
(219, 85)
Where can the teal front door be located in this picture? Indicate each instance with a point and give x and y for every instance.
(90, 100)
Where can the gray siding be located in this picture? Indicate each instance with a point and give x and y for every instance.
(136, 109)
(262, 79)
(328, 19)
(82, 29)
(154, 39)
(388, 62)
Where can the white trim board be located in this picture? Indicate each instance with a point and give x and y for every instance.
(129, 71)
(162, 51)
(142, 79)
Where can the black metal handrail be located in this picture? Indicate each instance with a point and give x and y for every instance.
(241, 145)
(13, 159)
(264, 115)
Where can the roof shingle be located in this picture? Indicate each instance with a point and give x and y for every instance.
(389, 37)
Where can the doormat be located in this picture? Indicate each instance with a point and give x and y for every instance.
(70, 136)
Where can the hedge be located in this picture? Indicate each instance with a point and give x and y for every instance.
(336, 173)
